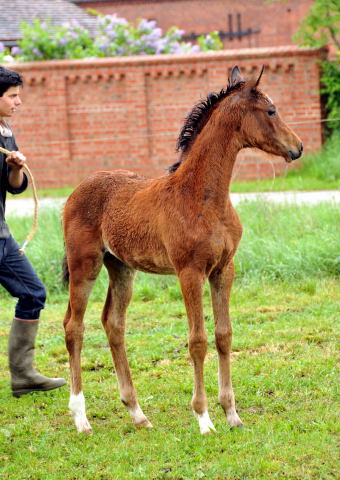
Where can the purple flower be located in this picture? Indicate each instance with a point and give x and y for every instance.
(160, 44)
(195, 49)
(114, 20)
(104, 44)
(176, 47)
(63, 41)
(37, 52)
(110, 31)
(2, 47)
(153, 36)
(15, 50)
(146, 24)
(177, 34)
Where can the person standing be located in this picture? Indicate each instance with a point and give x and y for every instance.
(17, 275)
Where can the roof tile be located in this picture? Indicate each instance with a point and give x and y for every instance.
(58, 11)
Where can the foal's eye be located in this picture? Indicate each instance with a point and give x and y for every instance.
(271, 112)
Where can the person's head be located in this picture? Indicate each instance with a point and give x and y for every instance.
(9, 78)
(10, 85)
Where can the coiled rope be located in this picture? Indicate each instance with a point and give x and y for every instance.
(36, 203)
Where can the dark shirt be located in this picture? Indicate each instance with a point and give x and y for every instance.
(9, 144)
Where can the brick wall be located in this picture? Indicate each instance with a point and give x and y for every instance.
(83, 115)
(271, 24)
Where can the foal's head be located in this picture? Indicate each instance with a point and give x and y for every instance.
(246, 113)
(258, 122)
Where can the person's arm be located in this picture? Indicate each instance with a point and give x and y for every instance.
(17, 180)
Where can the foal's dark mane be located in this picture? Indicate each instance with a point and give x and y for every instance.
(198, 117)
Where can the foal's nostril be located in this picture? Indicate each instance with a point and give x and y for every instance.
(293, 155)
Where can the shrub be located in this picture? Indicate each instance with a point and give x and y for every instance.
(331, 88)
(321, 26)
(5, 55)
(44, 41)
(114, 36)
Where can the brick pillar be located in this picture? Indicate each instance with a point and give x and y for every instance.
(136, 104)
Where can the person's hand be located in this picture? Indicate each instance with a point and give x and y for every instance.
(16, 160)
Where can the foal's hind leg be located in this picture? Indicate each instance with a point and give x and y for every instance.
(113, 318)
(220, 284)
(83, 272)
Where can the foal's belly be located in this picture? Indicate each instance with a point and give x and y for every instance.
(145, 263)
(150, 267)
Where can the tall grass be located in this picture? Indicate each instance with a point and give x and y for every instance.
(281, 242)
(324, 165)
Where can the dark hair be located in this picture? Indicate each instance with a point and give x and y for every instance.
(8, 79)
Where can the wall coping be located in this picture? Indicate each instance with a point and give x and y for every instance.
(168, 59)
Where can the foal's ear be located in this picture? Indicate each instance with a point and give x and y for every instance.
(235, 77)
(258, 80)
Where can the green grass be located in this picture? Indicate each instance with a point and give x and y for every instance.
(286, 242)
(284, 375)
(284, 309)
(294, 180)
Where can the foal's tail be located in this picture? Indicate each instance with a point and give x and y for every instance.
(66, 273)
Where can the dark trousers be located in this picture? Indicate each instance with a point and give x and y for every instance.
(18, 277)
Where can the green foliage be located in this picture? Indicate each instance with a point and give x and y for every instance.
(45, 41)
(331, 87)
(5, 55)
(321, 26)
(114, 36)
(211, 41)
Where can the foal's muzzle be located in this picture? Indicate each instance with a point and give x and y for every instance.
(294, 154)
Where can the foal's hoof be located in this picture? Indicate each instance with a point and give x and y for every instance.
(240, 427)
(88, 431)
(83, 426)
(234, 420)
(144, 423)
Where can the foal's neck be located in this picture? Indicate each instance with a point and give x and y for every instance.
(208, 166)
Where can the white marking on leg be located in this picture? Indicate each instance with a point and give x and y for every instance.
(77, 407)
(206, 425)
(138, 417)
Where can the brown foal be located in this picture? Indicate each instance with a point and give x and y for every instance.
(182, 223)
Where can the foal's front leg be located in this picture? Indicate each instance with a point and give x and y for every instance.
(192, 288)
(220, 284)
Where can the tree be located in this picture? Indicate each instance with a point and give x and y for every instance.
(321, 26)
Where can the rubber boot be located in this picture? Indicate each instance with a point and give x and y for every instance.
(24, 379)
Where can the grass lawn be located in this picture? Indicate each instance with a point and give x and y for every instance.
(284, 375)
(284, 307)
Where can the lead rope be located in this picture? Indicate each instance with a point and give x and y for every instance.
(36, 204)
